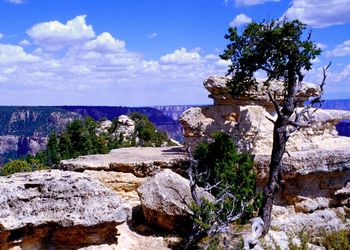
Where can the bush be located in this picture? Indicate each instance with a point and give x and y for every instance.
(230, 177)
(219, 162)
(16, 166)
(336, 240)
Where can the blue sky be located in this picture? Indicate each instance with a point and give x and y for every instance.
(145, 52)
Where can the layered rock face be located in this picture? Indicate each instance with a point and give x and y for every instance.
(123, 171)
(141, 162)
(57, 210)
(318, 164)
(24, 130)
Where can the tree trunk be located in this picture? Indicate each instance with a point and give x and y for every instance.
(279, 143)
(278, 149)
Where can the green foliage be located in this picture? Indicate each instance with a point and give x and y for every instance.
(336, 240)
(204, 215)
(276, 47)
(304, 238)
(18, 166)
(52, 150)
(147, 133)
(219, 162)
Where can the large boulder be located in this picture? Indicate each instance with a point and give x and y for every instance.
(57, 210)
(140, 161)
(216, 85)
(165, 200)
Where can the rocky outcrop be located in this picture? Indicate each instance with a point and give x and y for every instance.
(57, 210)
(24, 130)
(141, 161)
(216, 85)
(316, 169)
(165, 199)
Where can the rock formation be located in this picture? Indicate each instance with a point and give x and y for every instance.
(57, 210)
(316, 169)
(141, 162)
(165, 199)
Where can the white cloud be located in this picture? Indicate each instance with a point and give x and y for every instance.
(1, 35)
(320, 13)
(16, 1)
(55, 35)
(321, 45)
(240, 20)
(105, 43)
(24, 42)
(341, 49)
(99, 70)
(3, 78)
(15, 54)
(181, 56)
(252, 2)
(152, 35)
(343, 75)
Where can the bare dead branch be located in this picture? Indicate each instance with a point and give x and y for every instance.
(271, 120)
(274, 102)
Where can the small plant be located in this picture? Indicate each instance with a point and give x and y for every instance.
(230, 177)
(19, 166)
(336, 240)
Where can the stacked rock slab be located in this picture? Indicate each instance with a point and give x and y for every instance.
(57, 210)
(317, 168)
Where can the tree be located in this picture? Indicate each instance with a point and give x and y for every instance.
(52, 150)
(281, 50)
(230, 177)
(16, 166)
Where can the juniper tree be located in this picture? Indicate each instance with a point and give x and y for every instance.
(283, 52)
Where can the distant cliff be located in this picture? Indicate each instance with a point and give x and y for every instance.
(24, 130)
(164, 117)
(343, 127)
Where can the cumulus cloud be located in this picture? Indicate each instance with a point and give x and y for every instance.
(181, 56)
(320, 13)
(152, 35)
(252, 2)
(105, 43)
(24, 42)
(10, 54)
(55, 35)
(99, 70)
(240, 19)
(16, 1)
(341, 49)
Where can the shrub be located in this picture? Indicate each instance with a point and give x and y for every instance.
(16, 166)
(230, 177)
(219, 162)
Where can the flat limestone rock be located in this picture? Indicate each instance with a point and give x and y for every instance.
(53, 209)
(140, 161)
(216, 85)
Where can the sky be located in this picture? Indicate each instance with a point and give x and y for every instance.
(146, 52)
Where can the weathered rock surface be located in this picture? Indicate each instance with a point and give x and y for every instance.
(285, 218)
(57, 210)
(165, 198)
(123, 184)
(216, 85)
(141, 162)
(316, 170)
(245, 119)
